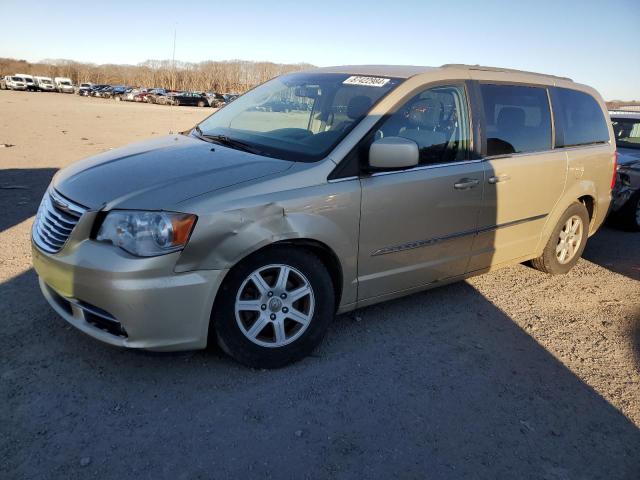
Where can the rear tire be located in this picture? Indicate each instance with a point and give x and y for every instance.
(281, 321)
(566, 243)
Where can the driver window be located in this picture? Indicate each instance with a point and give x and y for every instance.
(437, 120)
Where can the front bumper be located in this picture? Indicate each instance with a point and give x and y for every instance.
(91, 285)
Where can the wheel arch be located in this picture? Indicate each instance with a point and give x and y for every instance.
(590, 203)
(325, 254)
(320, 249)
(582, 192)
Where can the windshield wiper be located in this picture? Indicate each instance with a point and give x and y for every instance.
(229, 142)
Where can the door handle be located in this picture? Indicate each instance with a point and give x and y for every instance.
(499, 178)
(465, 183)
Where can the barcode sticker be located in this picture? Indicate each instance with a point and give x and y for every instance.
(367, 81)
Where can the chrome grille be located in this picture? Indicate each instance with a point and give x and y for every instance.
(55, 221)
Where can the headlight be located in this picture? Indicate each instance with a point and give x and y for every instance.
(147, 234)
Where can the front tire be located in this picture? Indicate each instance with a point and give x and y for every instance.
(567, 242)
(273, 308)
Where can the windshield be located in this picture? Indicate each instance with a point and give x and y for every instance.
(626, 132)
(64, 82)
(301, 116)
(28, 80)
(45, 81)
(17, 79)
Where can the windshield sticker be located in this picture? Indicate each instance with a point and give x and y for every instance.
(367, 81)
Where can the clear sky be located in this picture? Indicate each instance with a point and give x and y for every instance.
(593, 42)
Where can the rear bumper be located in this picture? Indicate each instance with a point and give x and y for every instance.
(126, 301)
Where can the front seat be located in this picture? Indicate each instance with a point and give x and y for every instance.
(423, 119)
(357, 108)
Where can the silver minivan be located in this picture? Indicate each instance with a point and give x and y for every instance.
(320, 192)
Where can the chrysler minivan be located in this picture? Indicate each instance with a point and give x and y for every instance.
(254, 228)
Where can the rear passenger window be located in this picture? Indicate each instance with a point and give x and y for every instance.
(579, 118)
(518, 119)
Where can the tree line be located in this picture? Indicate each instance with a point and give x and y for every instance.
(232, 76)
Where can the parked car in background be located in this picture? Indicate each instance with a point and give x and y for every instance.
(118, 93)
(45, 84)
(625, 204)
(141, 95)
(113, 91)
(153, 94)
(216, 100)
(84, 88)
(13, 82)
(64, 85)
(99, 90)
(29, 81)
(130, 94)
(185, 99)
(428, 176)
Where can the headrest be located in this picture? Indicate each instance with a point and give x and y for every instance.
(425, 113)
(510, 117)
(358, 107)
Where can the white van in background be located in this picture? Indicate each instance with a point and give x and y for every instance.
(63, 85)
(28, 81)
(13, 82)
(45, 84)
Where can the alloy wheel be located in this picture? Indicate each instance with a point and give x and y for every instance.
(569, 239)
(274, 305)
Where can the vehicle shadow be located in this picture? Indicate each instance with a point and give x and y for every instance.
(440, 384)
(616, 250)
(21, 190)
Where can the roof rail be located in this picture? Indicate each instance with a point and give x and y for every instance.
(498, 69)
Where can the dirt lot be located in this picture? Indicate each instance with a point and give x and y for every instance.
(514, 374)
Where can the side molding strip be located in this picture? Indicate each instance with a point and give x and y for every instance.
(432, 241)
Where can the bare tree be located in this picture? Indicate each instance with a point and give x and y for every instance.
(235, 76)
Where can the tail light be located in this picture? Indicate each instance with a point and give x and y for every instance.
(615, 169)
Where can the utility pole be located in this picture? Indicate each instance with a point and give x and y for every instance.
(173, 60)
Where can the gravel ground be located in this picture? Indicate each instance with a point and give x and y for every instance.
(514, 374)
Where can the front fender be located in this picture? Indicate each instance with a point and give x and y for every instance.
(327, 213)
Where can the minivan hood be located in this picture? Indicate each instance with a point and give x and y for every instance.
(159, 173)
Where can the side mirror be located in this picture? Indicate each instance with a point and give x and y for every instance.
(393, 152)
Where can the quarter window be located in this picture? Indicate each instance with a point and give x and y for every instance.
(518, 119)
(437, 120)
(579, 118)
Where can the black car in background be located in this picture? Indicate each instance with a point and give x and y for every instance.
(187, 98)
(625, 202)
